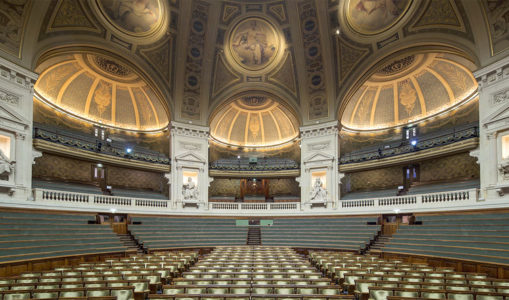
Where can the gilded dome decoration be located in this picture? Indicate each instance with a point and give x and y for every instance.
(101, 90)
(254, 44)
(374, 16)
(254, 121)
(410, 89)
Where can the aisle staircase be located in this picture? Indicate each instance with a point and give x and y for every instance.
(378, 244)
(129, 241)
(254, 236)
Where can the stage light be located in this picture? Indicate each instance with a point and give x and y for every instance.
(413, 142)
(128, 150)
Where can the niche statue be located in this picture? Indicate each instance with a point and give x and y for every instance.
(6, 166)
(318, 194)
(190, 190)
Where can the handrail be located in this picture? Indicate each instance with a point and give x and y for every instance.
(411, 203)
(91, 143)
(405, 147)
(82, 199)
(416, 201)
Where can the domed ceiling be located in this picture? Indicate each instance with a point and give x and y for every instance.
(102, 90)
(254, 121)
(410, 89)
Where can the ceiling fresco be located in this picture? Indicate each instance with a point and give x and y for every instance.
(195, 55)
(254, 43)
(135, 17)
(374, 16)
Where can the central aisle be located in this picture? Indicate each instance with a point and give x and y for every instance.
(252, 272)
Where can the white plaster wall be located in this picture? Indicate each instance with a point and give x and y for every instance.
(319, 151)
(16, 117)
(189, 151)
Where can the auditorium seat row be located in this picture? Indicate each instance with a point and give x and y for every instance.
(27, 236)
(372, 277)
(338, 233)
(121, 278)
(164, 233)
(472, 237)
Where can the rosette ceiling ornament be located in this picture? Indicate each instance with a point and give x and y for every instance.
(101, 90)
(410, 89)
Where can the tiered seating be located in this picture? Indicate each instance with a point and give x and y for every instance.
(251, 273)
(26, 236)
(126, 278)
(337, 233)
(476, 237)
(164, 233)
(379, 279)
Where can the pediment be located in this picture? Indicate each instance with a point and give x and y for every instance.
(318, 157)
(8, 116)
(190, 157)
(500, 115)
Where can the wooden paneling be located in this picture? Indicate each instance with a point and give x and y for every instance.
(13, 269)
(493, 270)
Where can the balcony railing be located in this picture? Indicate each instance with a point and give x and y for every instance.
(91, 143)
(431, 201)
(459, 199)
(403, 147)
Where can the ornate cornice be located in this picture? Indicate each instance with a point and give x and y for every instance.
(184, 129)
(17, 75)
(320, 129)
(493, 73)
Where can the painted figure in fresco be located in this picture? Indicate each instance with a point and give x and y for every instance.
(190, 190)
(253, 45)
(318, 194)
(133, 15)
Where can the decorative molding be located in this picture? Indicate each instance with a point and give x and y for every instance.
(17, 75)
(9, 98)
(190, 130)
(318, 146)
(323, 129)
(190, 108)
(492, 74)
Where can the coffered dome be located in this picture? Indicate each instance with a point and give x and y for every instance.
(254, 121)
(410, 89)
(102, 90)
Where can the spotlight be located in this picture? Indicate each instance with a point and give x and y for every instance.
(128, 150)
(338, 31)
(413, 142)
(113, 210)
(238, 156)
(99, 165)
(397, 210)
